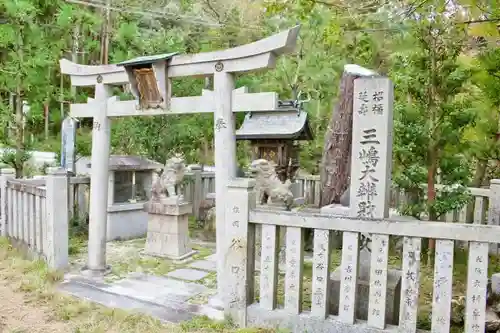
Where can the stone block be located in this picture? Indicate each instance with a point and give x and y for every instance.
(153, 243)
(188, 274)
(363, 294)
(175, 245)
(206, 265)
(176, 224)
(168, 232)
(154, 223)
(212, 257)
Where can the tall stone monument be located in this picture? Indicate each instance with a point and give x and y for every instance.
(168, 234)
(371, 160)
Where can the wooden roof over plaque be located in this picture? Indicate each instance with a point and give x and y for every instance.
(147, 59)
(131, 163)
(275, 125)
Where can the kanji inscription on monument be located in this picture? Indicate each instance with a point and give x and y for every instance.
(477, 278)
(293, 276)
(321, 271)
(410, 284)
(269, 267)
(443, 274)
(371, 144)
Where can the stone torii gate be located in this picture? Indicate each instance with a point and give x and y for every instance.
(223, 102)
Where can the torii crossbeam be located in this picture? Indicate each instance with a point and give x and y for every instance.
(223, 102)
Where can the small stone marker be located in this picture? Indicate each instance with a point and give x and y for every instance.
(68, 137)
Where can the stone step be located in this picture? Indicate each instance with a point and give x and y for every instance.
(207, 265)
(212, 257)
(165, 282)
(188, 274)
(166, 292)
(173, 313)
(136, 293)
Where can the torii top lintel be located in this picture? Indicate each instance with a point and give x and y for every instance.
(249, 57)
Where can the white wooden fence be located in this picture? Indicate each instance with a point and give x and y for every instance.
(35, 213)
(239, 251)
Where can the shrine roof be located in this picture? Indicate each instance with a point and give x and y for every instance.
(130, 163)
(286, 124)
(147, 59)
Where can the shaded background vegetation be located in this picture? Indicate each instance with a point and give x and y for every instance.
(443, 57)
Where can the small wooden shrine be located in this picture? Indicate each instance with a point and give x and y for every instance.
(274, 135)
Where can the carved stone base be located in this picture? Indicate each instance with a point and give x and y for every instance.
(176, 259)
(392, 298)
(95, 273)
(168, 233)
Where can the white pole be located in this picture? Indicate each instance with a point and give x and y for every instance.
(101, 135)
(225, 165)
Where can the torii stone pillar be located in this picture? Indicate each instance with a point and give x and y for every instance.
(223, 102)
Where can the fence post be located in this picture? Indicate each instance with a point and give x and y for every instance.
(494, 209)
(5, 174)
(197, 191)
(239, 249)
(57, 218)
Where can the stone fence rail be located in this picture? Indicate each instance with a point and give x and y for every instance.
(336, 308)
(35, 215)
(200, 187)
(199, 184)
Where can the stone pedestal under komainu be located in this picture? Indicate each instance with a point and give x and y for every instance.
(168, 234)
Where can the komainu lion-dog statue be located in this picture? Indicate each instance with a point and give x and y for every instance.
(168, 184)
(268, 186)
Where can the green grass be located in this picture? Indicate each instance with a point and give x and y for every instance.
(36, 278)
(36, 283)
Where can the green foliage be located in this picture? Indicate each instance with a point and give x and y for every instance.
(10, 158)
(446, 98)
(433, 110)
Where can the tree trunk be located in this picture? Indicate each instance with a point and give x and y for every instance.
(18, 161)
(105, 30)
(74, 52)
(431, 197)
(477, 181)
(336, 161)
(46, 119)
